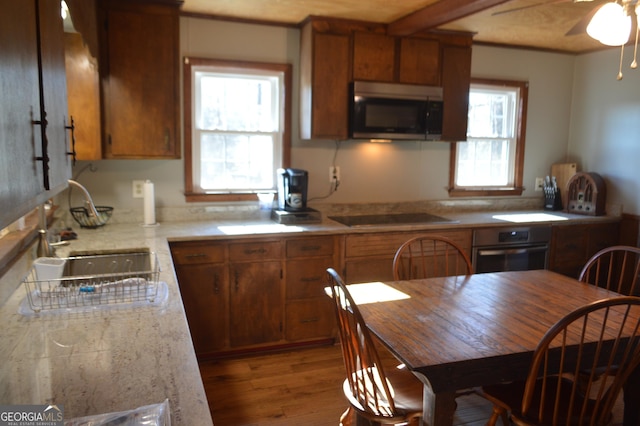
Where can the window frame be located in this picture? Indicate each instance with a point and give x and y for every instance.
(518, 166)
(191, 193)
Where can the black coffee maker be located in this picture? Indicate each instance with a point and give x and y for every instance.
(292, 189)
(292, 199)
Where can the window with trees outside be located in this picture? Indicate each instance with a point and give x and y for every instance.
(491, 161)
(237, 130)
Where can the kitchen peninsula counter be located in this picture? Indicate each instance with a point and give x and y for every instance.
(122, 358)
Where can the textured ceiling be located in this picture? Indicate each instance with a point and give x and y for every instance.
(530, 23)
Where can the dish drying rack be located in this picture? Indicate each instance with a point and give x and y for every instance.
(131, 278)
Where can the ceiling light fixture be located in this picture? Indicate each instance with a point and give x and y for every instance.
(611, 26)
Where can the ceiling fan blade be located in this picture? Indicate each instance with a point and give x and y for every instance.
(581, 26)
(529, 6)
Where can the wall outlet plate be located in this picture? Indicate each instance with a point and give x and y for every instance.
(138, 189)
(539, 183)
(334, 174)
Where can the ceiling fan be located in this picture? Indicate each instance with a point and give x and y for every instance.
(610, 23)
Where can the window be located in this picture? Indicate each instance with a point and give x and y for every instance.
(491, 161)
(236, 128)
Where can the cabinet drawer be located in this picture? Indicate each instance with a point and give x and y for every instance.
(191, 253)
(307, 320)
(386, 244)
(255, 251)
(306, 278)
(570, 244)
(317, 246)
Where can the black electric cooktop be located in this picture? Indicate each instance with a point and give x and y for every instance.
(390, 219)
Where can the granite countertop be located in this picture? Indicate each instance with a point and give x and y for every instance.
(117, 359)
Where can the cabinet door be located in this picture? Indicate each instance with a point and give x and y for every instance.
(19, 105)
(373, 57)
(419, 61)
(83, 89)
(573, 245)
(324, 85)
(456, 81)
(204, 291)
(141, 82)
(54, 85)
(20, 138)
(256, 303)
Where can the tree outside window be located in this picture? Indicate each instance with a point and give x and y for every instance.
(236, 131)
(491, 161)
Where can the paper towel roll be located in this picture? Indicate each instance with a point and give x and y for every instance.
(149, 204)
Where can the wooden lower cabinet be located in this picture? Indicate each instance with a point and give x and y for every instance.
(205, 292)
(255, 303)
(369, 257)
(258, 294)
(573, 245)
(204, 287)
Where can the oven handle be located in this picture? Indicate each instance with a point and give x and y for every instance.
(512, 251)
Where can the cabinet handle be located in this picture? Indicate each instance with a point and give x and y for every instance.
(310, 248)
(167, 139)
(255, 251)
(310, 279)
(72, 127)
(308, 320)
(44, 145)
(43, 112)
(195, 255)
(216, 287)
(237, 278)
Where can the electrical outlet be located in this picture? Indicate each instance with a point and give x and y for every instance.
(334, 174)
(138, 189)
(539, 183)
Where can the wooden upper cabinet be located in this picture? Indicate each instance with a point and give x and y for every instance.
(27, 114)
(139, 71)
(374, 57)
(456, 81)
(379, 57)
(83, 94)
(324, 85)
(336, 52)
(419, 61)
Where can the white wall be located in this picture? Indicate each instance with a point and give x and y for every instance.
(401, 171)
(605, 124)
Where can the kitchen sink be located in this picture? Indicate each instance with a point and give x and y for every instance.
(98, 280)
(105, 263)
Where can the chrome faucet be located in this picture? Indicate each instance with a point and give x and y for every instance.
(88, 202)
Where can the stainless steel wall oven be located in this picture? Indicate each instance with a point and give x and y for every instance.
(510, 248)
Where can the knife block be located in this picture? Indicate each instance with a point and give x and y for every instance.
(552, 199)
(586, 194)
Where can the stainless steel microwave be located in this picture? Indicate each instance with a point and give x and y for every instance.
(395, 111)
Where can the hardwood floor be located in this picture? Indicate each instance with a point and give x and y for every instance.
(301, 387)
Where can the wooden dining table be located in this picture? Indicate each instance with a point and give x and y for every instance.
(455, 333)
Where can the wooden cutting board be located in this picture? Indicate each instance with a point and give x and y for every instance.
(563, 172)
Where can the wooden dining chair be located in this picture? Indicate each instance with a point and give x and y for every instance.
(602, 337)
(376, 394)
(615, 268)
(430, 256)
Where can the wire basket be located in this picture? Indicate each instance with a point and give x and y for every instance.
(122, 278)
(86, 220)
